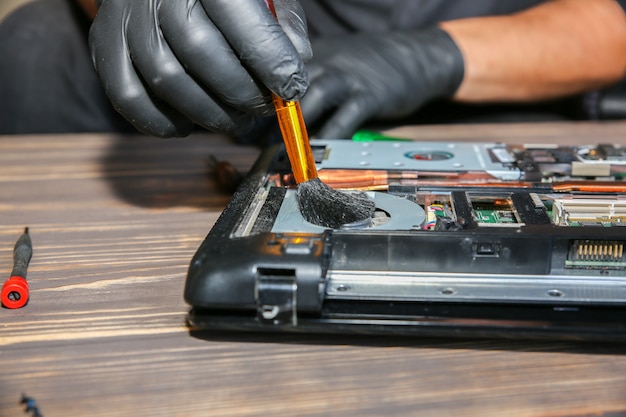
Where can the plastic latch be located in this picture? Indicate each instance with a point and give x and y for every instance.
(276, 299)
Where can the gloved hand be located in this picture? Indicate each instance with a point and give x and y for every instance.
(167, 64)
(371, 75)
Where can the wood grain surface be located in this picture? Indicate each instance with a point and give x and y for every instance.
(114, 223)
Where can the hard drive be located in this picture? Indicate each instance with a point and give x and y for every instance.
(467, 240)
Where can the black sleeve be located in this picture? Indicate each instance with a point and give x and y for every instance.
(622, 3)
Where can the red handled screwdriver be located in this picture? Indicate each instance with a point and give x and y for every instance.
(15, 289)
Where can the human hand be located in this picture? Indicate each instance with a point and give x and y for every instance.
(378, 75)
(169, 64)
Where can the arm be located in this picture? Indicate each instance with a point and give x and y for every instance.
(558, 48)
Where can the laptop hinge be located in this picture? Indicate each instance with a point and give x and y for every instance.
(276, 297)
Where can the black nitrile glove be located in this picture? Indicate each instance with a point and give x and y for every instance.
(169, 64)
(367, 76)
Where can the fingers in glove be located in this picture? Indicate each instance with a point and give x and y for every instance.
(165, 76)
(261, 44)
(198, 43)
(291, 17)
(349, 117)
(327, 91)
(334, 92)
(124, 87)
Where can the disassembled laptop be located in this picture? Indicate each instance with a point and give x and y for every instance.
(468, 239)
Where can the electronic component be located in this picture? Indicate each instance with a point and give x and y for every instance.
(589, 210)
(466, 239)
(597, 254)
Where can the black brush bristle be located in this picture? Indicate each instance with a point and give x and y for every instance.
(327, 207)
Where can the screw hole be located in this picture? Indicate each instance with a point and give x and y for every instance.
(555, 293)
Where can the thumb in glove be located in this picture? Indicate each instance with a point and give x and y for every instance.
(366, 76)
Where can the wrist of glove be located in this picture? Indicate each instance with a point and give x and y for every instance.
(167, 65)
(367, 76)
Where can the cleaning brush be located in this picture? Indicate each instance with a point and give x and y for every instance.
(319, 204)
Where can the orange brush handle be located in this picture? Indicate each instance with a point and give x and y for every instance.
(294, 133)
(296, 139)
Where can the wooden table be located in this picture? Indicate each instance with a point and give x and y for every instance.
(114, 223)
